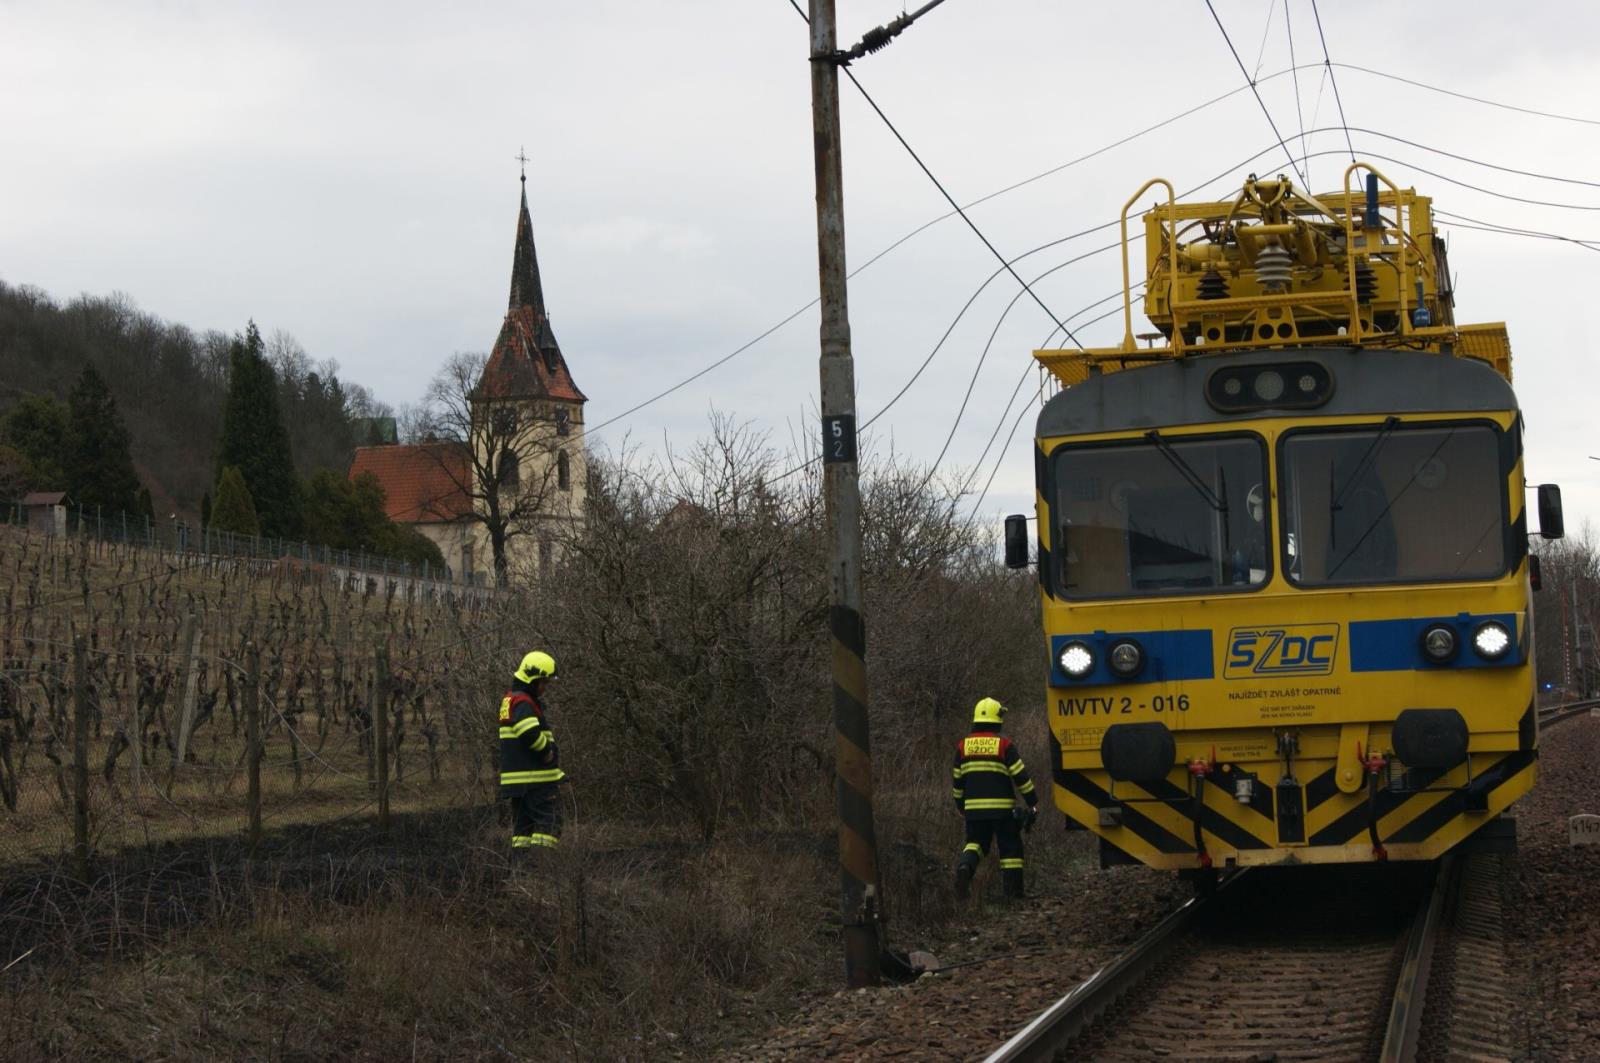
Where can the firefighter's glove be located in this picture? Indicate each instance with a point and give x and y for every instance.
(1032, 818)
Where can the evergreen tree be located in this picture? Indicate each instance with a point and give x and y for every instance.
(98, 458)
(234, 510)
(255, 441)
(35, 433)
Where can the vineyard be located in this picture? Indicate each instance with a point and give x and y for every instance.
(136, 682)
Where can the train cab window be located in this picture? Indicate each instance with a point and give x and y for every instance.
(1394, 503)
(1162, 515)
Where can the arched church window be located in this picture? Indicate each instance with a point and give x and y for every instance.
(510, 472)
(563, 472)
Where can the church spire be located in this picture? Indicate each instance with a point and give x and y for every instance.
(525, 289)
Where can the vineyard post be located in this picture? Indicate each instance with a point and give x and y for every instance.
(80, 756)
(380, 718)
(252, 740)
(188, 692)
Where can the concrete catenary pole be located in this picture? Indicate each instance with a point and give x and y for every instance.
(858, 850)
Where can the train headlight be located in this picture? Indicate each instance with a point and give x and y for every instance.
(1125, 658)
(1439, 644)
(1491, 640)
(1076, 659)
(1269, 386)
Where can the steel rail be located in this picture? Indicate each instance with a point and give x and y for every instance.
(1559, 713)
(1402, 1036)
(1056, 1027)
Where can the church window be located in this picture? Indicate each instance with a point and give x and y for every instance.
(563, 472)
(510, 472)
(563, 421)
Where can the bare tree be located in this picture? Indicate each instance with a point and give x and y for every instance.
(508, 459)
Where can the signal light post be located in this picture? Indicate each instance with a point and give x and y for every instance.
(861, 889)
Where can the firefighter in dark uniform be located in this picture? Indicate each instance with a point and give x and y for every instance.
(987, 767)
(530, 769)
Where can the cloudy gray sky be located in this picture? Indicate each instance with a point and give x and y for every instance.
(344, 172)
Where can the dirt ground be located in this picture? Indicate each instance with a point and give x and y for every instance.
(1078, 921)
(1554, 900)
(426, 944)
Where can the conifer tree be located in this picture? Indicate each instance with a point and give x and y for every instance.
(98, 458)
(234, 510)
(35, 433)
(254, 439)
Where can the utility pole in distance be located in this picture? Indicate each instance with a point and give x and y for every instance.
(861, 892)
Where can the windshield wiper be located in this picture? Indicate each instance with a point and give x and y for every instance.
(1176, 460)
(1370, 456)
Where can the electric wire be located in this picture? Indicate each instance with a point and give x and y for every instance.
(1473, 99)
(1299, 112)
(845, 70)
(1478, 188)
(1507, 230)
(1254, 91)
(1327, 69)
(1293, 70)
(1266, 31)
(1328, 62)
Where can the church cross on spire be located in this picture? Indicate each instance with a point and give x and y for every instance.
(522, 157)
(525, 287)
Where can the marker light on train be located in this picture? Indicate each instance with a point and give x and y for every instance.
(1126, 658)
(1076, 659)
(1491, 640)
(1439, 644)
(1269, 386)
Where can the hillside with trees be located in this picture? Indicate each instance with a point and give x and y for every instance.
(126, 412)
(170, 385)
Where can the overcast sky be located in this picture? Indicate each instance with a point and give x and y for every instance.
(345, 172)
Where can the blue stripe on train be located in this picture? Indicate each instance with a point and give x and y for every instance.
(1170, 656)
(1396, 645)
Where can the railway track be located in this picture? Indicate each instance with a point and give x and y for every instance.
(1390, 962)
(1554, 714)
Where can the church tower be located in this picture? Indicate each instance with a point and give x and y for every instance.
(528, 408)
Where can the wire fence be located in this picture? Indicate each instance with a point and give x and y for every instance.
(149, 697)
(185, 543)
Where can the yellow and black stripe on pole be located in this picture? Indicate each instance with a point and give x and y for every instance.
(858, 853)
(858, 844)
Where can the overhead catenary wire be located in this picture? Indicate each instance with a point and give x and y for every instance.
(1327, 69)
(1333, 79)
(845, 69)
(1253, 90)
(1557, 116)
(1299, 112)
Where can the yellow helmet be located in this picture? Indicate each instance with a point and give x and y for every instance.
(537, 665)
(989, 711)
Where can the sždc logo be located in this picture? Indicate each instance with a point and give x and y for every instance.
(1291, 649)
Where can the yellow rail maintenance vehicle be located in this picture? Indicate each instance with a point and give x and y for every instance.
(1284, 554)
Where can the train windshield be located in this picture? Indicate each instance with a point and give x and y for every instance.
(1165, 515)
(1394, 504)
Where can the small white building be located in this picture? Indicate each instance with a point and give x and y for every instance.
(45, 511)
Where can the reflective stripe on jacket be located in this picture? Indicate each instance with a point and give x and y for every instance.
(986, 767)
(529, 758)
